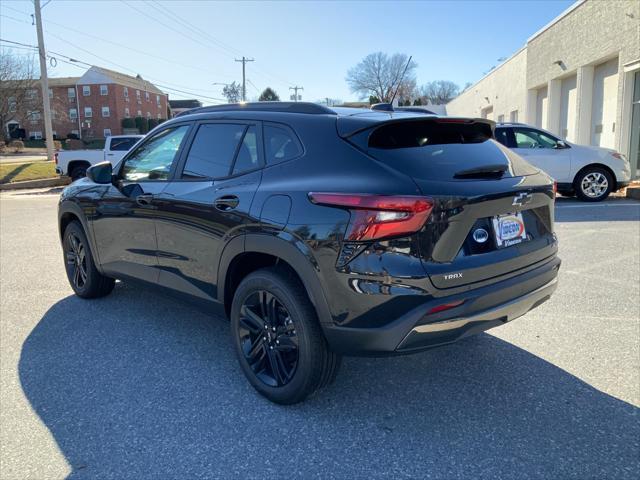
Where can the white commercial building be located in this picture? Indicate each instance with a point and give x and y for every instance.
(578, 77)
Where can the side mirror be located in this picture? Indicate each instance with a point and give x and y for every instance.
(561, 144)
(100, 173)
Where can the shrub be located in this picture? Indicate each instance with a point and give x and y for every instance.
(153, 123)
(17, 146)
(160, 120)
(74, 144)
(142, 124)
(128, 123)
(73, 136)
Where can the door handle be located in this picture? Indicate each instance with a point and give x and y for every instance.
(227, 202)
(145, 199)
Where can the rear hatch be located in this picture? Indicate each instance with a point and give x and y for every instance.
(493, 212)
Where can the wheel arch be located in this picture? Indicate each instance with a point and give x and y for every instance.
(245, 254)
(596, 165)
(77, 163)
(69, 211)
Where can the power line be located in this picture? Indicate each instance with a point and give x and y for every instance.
(244, 61)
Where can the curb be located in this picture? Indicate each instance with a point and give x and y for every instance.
(633, 192)
(45, 182)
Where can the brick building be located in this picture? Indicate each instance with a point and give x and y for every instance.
(90, 106)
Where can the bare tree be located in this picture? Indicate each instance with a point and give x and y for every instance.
(232, 92)
(439, 92)
(379, 74)
(17, 89)
(269, 95)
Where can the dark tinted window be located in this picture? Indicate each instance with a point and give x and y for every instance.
(212, 151)
(123, 144)
(152, 160)
(280, 144)
(423, 133)
(502, 137)
(247, 158)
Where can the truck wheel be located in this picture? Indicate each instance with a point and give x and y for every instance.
(278, 339)
(593, 184)
(85, 279)
(78, 172)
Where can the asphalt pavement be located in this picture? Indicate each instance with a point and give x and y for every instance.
(139, 385)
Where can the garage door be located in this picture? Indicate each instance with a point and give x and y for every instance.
(605, 98)
(568, 108)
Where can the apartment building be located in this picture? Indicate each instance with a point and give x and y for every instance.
(90, 106)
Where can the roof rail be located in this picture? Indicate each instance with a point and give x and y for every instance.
(284, 107)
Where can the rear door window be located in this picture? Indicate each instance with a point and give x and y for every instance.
(213, 150)
(280, 144)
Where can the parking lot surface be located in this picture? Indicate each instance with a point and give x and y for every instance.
(138, 385)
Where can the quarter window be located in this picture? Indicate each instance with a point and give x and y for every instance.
(280, 144)
(153, 159)
(247, 158)
(526, 138)
(212, 151)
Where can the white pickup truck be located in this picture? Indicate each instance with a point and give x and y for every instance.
(74, 163)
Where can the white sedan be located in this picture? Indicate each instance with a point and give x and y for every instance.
(590, 173)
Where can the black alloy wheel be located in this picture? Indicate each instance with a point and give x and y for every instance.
(76, 261)
(268, 338)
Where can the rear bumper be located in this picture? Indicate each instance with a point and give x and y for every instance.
(483, 308)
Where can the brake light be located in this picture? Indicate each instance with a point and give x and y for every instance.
(374, 217)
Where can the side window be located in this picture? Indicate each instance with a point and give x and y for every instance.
(526, 138)
(123, 144)
(152, 160)
(212, 151)
(247, 158)
(280, 144)
(502, 137)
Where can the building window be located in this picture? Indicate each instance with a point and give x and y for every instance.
(126, 112)
(31, 94)
(12, 104)
(146, 96)
(138, 96)
(35, 135)
(76, 132)
(513, 116)
(54, 133)
(50, 93)
(86, 90)
(107, 132)
(88, 112)
(34, 116)
(73, 114)
(158, 100)
(500, 118)
(53, 115)
(71, 93)
(105, 111)
(148, 114)
(139, 113)
(104, 90)
(159, 116)
(126, 92)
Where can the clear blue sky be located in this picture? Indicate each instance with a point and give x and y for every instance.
(311, 44)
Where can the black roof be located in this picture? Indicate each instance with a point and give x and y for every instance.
(283, 107)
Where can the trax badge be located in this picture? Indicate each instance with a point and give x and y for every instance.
(481, 235)
(521, 199)
(451, 276)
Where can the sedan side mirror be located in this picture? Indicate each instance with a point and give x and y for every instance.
(100, 173)
(561, 144)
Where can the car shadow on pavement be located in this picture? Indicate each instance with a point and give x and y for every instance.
(137, 385)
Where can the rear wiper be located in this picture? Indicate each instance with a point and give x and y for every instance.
(485, 171)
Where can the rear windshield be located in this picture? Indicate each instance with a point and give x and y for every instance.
(420, 134)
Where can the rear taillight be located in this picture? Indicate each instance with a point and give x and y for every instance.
(445, 306)
(374, 217)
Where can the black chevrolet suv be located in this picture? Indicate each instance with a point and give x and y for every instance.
(321, 232)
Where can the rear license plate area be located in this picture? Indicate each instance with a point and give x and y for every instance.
(509, 229)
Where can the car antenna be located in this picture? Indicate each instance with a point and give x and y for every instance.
(401, 78)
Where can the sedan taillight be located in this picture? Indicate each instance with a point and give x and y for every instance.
(374, 217)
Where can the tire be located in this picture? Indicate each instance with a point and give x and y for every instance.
(85, 280)
(291, 360)
(593, 184)
(78, 172)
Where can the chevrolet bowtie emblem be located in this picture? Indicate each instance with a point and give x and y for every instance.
(521, 199)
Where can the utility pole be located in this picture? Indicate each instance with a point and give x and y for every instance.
(44, 83)
(295, 89)
(244, 81)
